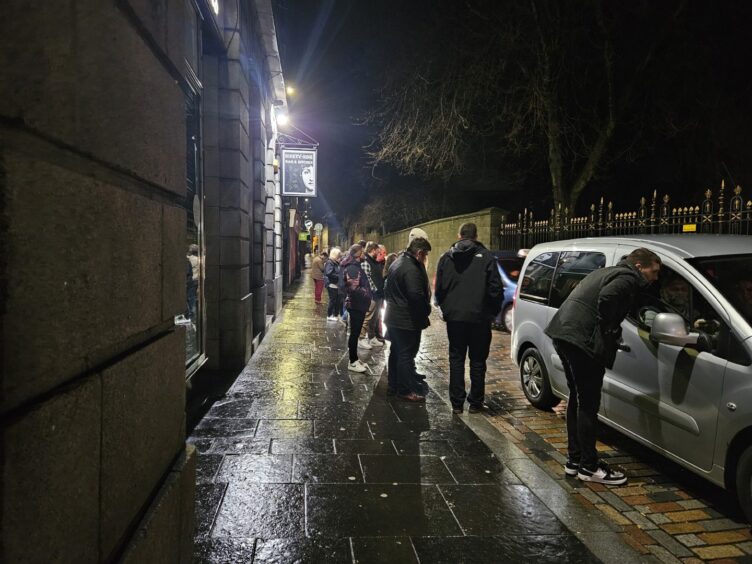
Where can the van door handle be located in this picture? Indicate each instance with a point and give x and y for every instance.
(623, 347)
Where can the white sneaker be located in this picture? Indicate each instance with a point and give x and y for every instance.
(376, 343)
(331, 318)
(602, 475)
(363, 344)
(357, 366)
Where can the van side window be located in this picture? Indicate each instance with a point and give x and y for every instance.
(674, 294)
(536, 283)
(573, 267)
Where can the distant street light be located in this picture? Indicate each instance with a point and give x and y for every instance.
(290, 90)
(283, 119)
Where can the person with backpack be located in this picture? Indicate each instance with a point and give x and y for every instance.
(357, 292)
(331, 277)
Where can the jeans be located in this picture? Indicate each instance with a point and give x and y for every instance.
(335, 303)
(474, 338)
(585, 380)
(356, 324)
(401, 364)
(374, 324)
(318, 288)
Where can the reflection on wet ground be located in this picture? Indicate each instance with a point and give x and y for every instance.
(303, 461)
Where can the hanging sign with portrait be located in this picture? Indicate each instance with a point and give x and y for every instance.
(299, 172)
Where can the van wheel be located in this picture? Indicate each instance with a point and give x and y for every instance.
(534, 379)
(507, 318)
(744, 482)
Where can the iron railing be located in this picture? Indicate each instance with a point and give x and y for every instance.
(711, 216)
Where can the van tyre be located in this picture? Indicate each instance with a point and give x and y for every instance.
(744, 482)
(535, 382)
(507, 318)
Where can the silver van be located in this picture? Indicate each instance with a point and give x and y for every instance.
(682, 380)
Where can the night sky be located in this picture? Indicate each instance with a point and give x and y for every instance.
(339, 53)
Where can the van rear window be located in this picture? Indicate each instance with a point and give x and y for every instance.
(536, 282)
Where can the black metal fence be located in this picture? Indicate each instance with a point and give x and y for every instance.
(713, 215)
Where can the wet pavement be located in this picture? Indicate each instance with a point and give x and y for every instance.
(665, 512)
(304, 461)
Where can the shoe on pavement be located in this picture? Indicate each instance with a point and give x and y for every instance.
(363, 344)
(331, 318)
(457, 410)
(375, 343)
(412, 396)
(571, 468)
(357, 366)
(602, 475)
(477, 408)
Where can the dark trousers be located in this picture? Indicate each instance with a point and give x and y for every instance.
(474, 338)
(356, 324)
(401, 364)
(335, 303)
(585, 380)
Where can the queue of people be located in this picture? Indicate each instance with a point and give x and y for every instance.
(388, 296)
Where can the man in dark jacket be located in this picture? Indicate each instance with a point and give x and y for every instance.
(469, 292)
(586, 333)
(408, 298)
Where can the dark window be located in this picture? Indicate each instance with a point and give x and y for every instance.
(511, 267)
(192, 318)
(573, 267)
(536, 284)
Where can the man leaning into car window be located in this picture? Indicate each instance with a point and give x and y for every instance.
(586, 332)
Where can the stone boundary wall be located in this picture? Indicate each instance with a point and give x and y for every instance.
(442, 233)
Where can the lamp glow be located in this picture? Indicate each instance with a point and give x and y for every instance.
(283, 119)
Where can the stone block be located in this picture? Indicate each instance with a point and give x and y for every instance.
(212, 250)
(211, 285)
(230, 132)
(50, 479)
(212, 354)
(210, 127)
(230, 193)
(211, 221)
(234, 283)
(212, 320)
(211, 161)
(42, 94)
(231, 223)
(143, 428)
(209, 71)
(232, 106)
(165, 534)
(230, 162)
(174, 260)
(231, 316)
(153, 16)
(234, 252)
(212, 191)
(83, 274)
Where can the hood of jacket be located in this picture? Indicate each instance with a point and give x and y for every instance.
(641, 280)
(463, 252)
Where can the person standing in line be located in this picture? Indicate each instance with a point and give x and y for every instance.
(357, 293)
(331, 278)
(373, 270)
(469, 292)
(408, 297)
(317, 273)
(586, 332)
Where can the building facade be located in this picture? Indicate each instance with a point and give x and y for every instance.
(140, 244)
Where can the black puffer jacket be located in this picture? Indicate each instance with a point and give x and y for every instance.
(590, 318)
(377, 275)
(408, 295)
(468, 284)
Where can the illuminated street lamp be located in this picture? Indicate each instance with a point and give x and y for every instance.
(290, 90)
(283, 119)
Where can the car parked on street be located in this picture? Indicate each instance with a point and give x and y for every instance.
(509, 264)
(682, 380)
